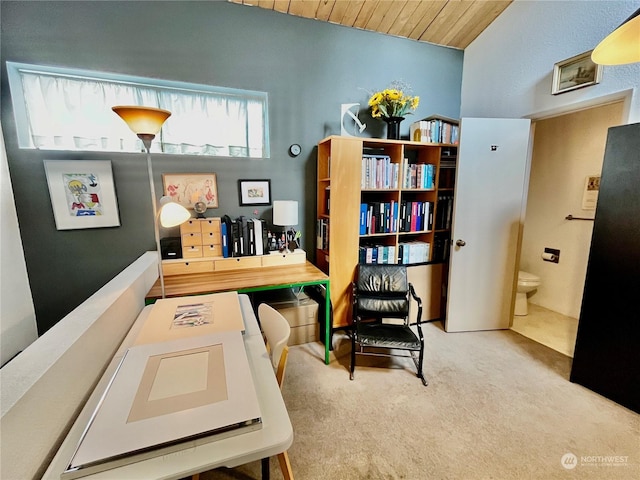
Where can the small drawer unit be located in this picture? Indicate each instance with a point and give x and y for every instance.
(185, 267)
(201, 238)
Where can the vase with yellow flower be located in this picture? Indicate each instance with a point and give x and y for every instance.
(392, 104)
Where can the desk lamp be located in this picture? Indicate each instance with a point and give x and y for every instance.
(146, 122)
(285, 214)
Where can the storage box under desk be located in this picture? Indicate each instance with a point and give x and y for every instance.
(301, 314)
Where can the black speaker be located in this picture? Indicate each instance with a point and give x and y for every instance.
(171, 247)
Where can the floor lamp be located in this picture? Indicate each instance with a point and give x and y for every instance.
(146, 122)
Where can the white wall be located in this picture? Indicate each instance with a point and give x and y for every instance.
(508, 69)
(17, 315)
(507, 72)
(566, 149)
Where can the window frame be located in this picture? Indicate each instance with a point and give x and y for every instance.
(20, 110)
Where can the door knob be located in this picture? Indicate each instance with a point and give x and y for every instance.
(460, 243)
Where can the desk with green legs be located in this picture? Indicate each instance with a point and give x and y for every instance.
(249, 280)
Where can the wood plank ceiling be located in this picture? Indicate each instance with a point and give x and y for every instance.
(453, 23)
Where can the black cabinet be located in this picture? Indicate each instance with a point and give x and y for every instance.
(607, 352)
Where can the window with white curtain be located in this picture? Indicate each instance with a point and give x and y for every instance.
(65, 109)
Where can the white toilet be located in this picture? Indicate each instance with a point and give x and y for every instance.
(527, 282)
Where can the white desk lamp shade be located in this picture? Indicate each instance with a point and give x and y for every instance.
(172, 214)
(285, 212)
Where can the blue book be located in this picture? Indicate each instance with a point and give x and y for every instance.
(225, 240)
(395, 217)
(363, 218)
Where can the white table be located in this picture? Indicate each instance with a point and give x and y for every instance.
(275, 436)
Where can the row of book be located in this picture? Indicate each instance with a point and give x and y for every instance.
(244, 236)
(379, 173)
(408, 253)
(418, 175)
(413, 252)
(379, 254)
(441, 247)
(322, 234)
(392, 217)
(444, 214)
(435, 130)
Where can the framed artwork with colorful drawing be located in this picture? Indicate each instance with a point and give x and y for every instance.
(82, 193)
(189, 188)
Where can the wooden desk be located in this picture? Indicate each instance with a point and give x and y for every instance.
(275, 436)
(249, 280)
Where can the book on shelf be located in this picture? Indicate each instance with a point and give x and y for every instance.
(413, 252)
(435, 129)
(322, 234)
(378, 217)
(377, 254)
(418, 175)
(259, 236)
(444, 212)
(378, 172)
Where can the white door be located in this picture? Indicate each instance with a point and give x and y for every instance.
(488, 210)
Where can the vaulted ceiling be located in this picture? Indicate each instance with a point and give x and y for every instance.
(453, 23)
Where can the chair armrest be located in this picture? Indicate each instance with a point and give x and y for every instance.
(419, 302)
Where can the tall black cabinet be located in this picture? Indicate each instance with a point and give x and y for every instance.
(607, 352)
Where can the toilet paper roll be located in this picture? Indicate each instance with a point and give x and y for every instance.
(549, 257)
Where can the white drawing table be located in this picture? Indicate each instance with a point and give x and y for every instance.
(275, 436)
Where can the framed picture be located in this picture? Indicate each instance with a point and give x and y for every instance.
(255, 192)
(575, 72)
(189, 188)
(82, 193)
(590, 193)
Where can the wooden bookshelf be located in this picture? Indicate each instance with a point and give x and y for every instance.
(340, 240)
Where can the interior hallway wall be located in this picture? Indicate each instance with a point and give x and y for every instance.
(508, 69)
(566, 150)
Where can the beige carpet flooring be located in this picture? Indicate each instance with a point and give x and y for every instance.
(498, 406)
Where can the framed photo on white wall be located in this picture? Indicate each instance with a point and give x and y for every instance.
(575, 72)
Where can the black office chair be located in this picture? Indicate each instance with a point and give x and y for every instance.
(382, 292)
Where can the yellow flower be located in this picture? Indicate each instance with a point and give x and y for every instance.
(393, 94)
(375, 99)
(395, 101)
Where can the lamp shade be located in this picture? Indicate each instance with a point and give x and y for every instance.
(621, 46)
(142, 120)
(285, 212)
(172, 214)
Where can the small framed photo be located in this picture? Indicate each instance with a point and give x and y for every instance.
(254, 192)
(82, 193)
(575, 72)
(590, 193)
(189, 188)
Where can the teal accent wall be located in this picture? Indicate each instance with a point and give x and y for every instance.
(308, 69)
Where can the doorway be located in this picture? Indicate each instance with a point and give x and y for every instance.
(567, 149)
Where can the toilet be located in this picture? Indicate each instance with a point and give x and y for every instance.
(527, 282)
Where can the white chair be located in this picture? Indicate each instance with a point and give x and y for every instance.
(276, 329)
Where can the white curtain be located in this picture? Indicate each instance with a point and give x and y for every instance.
(75, 114)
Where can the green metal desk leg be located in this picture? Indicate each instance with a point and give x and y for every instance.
(327, 323)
